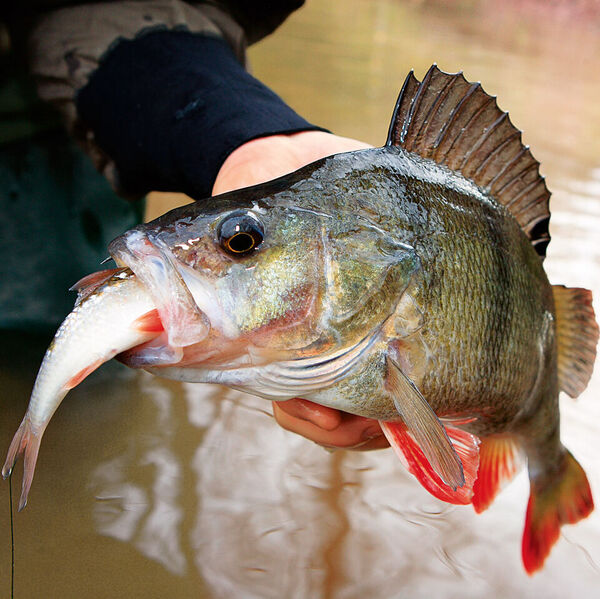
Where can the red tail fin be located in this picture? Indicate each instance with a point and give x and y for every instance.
(565, 499)
(409, 452)
(498, 463)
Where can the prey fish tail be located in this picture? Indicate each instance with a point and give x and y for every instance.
(112, 314)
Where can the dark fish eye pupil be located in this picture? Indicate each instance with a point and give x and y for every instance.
(240, 233)
(241, 242)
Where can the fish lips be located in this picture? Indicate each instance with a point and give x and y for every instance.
(152, 261)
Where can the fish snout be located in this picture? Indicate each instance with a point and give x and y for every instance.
(154, 264)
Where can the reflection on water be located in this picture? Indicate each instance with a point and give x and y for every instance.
(151, 488)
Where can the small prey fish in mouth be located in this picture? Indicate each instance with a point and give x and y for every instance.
(113, 313)
(403, 284)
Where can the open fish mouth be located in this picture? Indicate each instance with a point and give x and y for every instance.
(184, 314)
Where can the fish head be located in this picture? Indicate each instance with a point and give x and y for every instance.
(255, 273)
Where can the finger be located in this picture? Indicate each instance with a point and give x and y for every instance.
(321, 416)
(379, 442)
(353, 431)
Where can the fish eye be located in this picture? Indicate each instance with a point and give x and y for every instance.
(240, 233)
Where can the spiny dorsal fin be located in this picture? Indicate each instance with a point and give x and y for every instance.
(577, 337)
(454, 122)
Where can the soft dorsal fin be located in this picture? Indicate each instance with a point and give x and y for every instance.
(455, 123)
(577, 337)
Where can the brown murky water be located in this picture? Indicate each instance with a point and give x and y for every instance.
(150, 488)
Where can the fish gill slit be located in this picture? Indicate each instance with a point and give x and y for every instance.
(327, 274)
(323, 372)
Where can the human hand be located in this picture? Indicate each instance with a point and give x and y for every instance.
(267, 158)
(261, 160)
(328, 427)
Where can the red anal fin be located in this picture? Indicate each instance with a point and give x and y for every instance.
(565, 499)
(149, 322)
(498, 463)
(82, 374)
(466, 446)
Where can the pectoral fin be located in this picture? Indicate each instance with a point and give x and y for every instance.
(425, 427)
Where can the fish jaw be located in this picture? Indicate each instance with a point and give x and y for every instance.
(188, 300)
(157, 268)
(215, 306)
(118, 315)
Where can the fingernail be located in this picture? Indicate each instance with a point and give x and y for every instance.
(371, 432)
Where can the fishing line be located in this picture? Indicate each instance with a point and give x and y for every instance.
(12, 540)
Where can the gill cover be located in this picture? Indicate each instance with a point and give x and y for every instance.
(366, 272)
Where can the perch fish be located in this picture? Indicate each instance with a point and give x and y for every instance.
(403, 283)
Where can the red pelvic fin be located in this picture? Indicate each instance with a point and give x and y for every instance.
(83, 373)
(498, 463)
(149, 323)
(466, 446)
(565, 499)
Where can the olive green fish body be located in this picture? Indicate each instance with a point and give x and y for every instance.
(486, 304)
(402, 283)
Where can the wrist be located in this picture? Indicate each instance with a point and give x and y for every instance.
(266, 158)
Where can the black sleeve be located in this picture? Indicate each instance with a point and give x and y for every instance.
(170, 106)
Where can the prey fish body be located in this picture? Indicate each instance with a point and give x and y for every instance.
(117, 315)
(402, 283)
